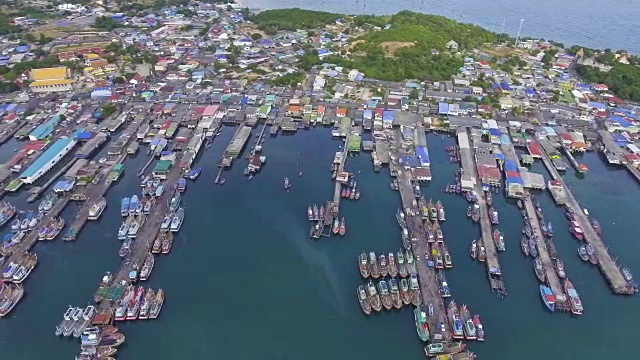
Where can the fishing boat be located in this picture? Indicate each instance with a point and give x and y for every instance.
(520, 204)
(103, 287)
(559, 266)
(591, 253)
(499, 240)
(336, 226)
(193, 174)
(134, 306)
(479, 328)
(392, 268)
(343, 228)
(445, 291)
(87, 316)
(448, 263)
(76, 315)
(316, 212)
(176, 221)
(524, 245)
(382, 264)
(406, 240)
(548, 298)
(96, 209)
(147, 266)
(488, 198)
(576, 230)
(439, 262)
(383, 289)
(475, 213)
(166, 222)
(422, 325)
(47, 203)
(582, 252)
(133, 204)
(574, 298)
(122, 304)
(363, 264)
(628, 276)
(402, 267)
(343, 193)
(352, 195)
(357, 195)
(125, 249)
(149, 297)
(123, 231)
(414, 286)
(446, 348)
(374, 297)
(363, 299)
(441, 213)
(482, 253)
(411, 264)
(469, 211)
(400, 217)
(539, 269)
(596, 225)
(527, 230)
(473, 251)
(167, 242)
(156, 305)
(321, 213)
(135, 226)
(549, 229)
(148, 204)
(533, 247)
(493, 216)
(395, 293)
(468, 325)
(455, 323)
(175, 202)
(405, 293)
(310, 213)
(66, 321)
(433, 213)
(159, 191)
(54, 228)
(374, 270)
(182, 185)
(287, 184)
(30, 261)
(15, 225)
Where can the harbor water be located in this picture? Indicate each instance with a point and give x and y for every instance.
(591, 23)
(242, 269)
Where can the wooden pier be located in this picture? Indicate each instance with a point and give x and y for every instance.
(576, 165)
(38, 191)
(606, 264)
(338, 185)
(493, 265)
(543, 253)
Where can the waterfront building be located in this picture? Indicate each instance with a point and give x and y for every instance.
(48, 160)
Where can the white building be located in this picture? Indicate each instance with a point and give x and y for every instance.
(47, 160)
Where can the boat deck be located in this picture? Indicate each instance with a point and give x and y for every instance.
(429, 286)
(606, 264)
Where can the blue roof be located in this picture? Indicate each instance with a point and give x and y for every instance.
(84, 135)
(63, 185)
(372, 103)
(515, 180)
(504, 86)
(597, 105)
(620, 138)
(49, 154)
(387, 115)
(43, 130)
(494, 85)
(22, 48)
(499, 156)
(620, 121)
(504, 139)
(367, 114)
(411, 161)
(510, 165)
(495, 132)
(422, 152)
(443, 108)
(530, 92)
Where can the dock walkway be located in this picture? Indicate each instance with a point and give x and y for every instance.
(606, 264)
(338, 185)
(493, 265)
(552, 277)
(429, 286)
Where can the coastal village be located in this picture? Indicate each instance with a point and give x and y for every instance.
(166, 81)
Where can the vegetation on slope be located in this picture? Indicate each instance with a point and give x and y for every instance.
(271, 21)
(622, 79)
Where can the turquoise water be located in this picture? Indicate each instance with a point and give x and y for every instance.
(243, 281)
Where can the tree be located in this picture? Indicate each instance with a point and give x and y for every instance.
(414, 94)
(256, 36)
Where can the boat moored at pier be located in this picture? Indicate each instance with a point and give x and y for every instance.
(422, 325)
(548, 299)
(574, 298)
(363, 299)
(97, 209)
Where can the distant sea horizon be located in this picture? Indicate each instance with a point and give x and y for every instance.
(587, 23)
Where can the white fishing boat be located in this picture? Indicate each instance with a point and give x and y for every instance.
(176, 221)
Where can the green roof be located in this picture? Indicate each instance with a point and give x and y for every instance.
(118, 167)
(162, 165)
(354, 142)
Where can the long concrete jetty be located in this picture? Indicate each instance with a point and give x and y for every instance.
(552, 277)
(493, 265)
(429, 286)
(606, 264)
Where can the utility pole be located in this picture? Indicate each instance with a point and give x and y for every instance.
(519, 30)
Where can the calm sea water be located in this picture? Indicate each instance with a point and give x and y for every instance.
(243, 281)
(592, 23)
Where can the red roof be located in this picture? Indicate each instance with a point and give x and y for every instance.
(534, 149)
(566, 136)
(632, 157)
(483, 63)
(35, 145)
(512, 173)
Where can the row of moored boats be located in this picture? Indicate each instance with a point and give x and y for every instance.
(389, 294)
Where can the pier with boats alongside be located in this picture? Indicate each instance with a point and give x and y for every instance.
(607, 265)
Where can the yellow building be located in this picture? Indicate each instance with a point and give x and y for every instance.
(51, 80)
